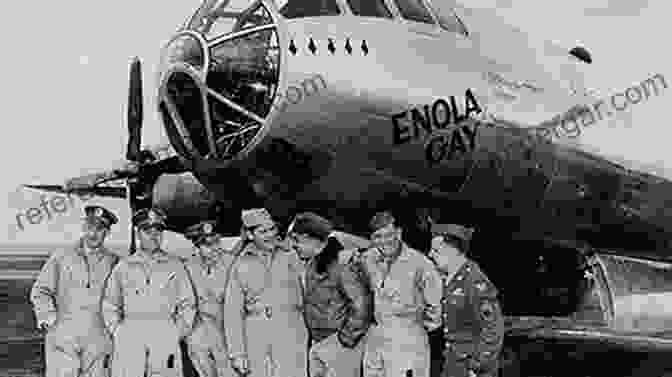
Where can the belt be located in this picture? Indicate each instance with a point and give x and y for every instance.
(267, 310)
(147, 316)
(206, 315)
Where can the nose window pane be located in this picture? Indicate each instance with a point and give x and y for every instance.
(187, 98)
(245, 70)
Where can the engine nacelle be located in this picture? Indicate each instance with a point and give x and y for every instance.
(186, 201)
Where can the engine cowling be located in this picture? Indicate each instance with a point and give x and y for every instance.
(186, 201)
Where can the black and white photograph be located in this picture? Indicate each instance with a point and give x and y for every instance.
(337, 188)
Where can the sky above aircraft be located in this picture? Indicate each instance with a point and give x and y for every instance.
(66, 81)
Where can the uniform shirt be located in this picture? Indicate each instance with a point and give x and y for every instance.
(72, 283)
(472, 317)
(409, 288)
(147, 286)
(209, 282)
(261, 283)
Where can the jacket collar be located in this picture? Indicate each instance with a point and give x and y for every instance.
(142, 256)
(250, 249)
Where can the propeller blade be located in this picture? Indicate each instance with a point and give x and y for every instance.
(135, 115)
(129, 193)
(48, 188)
(110, 192)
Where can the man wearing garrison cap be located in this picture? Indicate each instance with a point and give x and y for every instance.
(338, 305)
(66, 297)
(473, 324)
(209, 271)
(265, 330)
(149, 304)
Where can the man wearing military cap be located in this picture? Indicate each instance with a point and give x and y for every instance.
(67, 296)
(473, 324)
(149, 305)
(209, 271)
(264, 325)
(338, 305)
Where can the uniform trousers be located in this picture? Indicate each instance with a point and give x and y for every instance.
(78, 347)
(328, 358)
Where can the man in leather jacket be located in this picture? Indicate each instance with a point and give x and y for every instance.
(337, 304)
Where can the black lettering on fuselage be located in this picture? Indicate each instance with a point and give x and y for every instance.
(420, 122)
(453, 144)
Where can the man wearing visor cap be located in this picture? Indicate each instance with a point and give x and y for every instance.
(265, 330)
(149, 305)
(473, 324)
(67, 296)
(209, 271)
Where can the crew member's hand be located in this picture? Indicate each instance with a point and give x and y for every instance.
(241, 365)
(46, 323)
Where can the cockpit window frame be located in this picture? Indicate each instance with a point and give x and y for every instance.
(346, 4)
(435, 12)
(342, 10)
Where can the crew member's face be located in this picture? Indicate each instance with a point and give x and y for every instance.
(150, 238)
(209, 245)
(387, 239)
(94, 234)
(305, 246)
(264, 237)
(442, 252)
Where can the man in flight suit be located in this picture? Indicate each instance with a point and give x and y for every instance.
(473, 324)
(149, 305)
(265, 330)
(209, 271)
(407, 294)
(66, 297)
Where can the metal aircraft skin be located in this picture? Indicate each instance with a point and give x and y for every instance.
(313, 107)
(343, 114)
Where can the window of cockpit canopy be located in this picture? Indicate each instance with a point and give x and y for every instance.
(448, 19)
(414, 10)
(369, 8)
(308, 8)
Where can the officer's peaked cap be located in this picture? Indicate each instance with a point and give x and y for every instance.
(148, 217)
(311, 224)
(100, 215)
(197, 232)
(454, 230)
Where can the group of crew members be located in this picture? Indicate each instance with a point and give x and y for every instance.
(269, 307)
